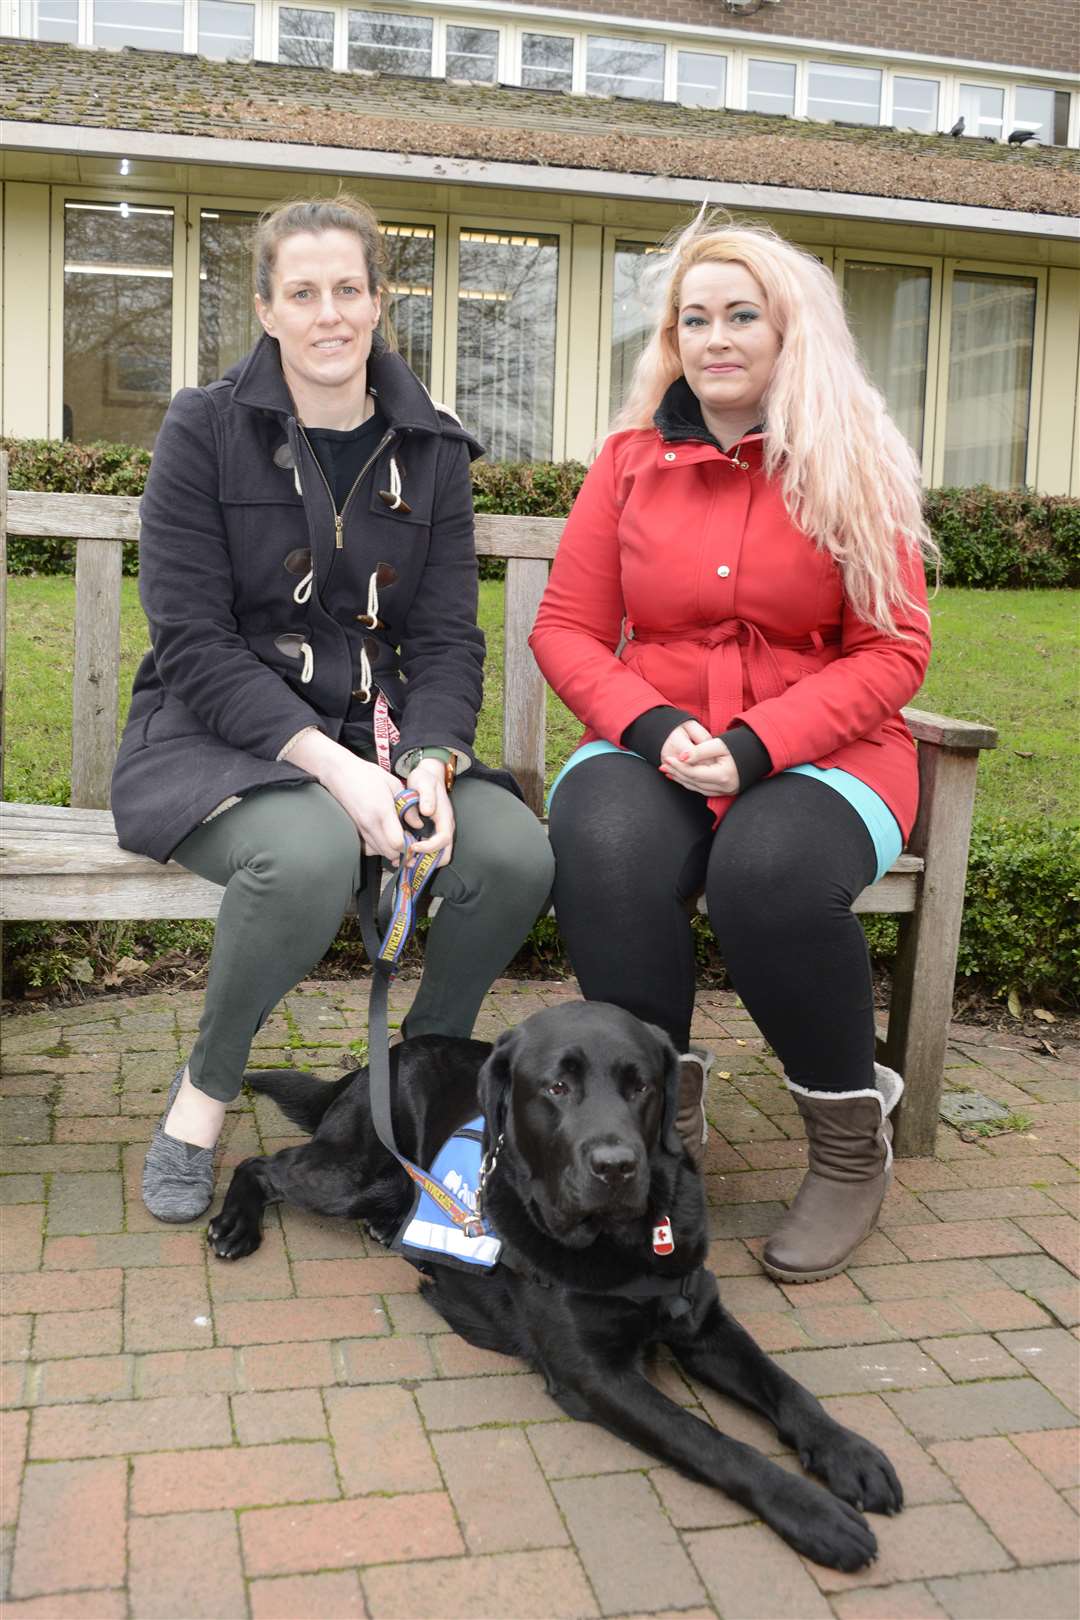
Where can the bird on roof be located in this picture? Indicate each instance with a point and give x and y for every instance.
(1019, 136)
(958, 127)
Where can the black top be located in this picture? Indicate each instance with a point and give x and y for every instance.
(342, 452)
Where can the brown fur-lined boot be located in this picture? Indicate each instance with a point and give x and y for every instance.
(849, 1139)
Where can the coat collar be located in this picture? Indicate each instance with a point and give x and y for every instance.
(259, 382)
(678, 419)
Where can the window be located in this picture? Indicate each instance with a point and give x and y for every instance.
(57, 20)
(507, 294)
(850, 94)
(383, 42)
(915, 104)
(770, 87)
(547, 62)
(625, 67)
(118, 297)
(1046, 112)
(630, 323)
(305, 38)
(888, 306)
(228, 324)
(472, 53)
(409, 301)
(990, 357)
(156, 25)
(702, 79)
(226, 30)
(982, 108)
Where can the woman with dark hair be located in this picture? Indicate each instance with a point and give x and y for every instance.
(737, 612)
(308, 570)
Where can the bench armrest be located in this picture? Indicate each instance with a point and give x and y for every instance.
(949, 733)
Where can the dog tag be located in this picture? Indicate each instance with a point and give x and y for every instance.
(663, 1239)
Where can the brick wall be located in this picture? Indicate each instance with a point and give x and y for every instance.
(1031, 33)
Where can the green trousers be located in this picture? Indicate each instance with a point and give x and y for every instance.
(290, 861)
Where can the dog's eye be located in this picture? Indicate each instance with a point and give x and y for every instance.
(638, 1086)
(557, 1088)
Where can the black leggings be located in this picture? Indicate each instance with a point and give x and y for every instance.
(633, 851)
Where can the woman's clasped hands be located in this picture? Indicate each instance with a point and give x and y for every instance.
(367, 793)
(697, 760)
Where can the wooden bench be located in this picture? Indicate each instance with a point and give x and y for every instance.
(63, 863)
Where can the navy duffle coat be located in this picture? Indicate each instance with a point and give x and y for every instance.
(236, 511)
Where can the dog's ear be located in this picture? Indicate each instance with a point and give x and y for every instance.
(667, 1059)
(493, 1087)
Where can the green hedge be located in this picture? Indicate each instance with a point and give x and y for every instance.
(1021, 930)
(988, 538)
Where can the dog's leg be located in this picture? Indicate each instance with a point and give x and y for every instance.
(724, 1356)
(815, 1523)
(310, 1178)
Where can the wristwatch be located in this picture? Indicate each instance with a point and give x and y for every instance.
(446, 757)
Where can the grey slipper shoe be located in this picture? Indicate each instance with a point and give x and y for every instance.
(178, 1177)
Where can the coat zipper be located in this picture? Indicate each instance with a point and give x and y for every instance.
(339, 517)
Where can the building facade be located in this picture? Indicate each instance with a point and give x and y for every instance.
(525, 162)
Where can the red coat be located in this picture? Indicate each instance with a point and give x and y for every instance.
(735, 615)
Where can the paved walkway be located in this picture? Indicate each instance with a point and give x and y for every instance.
(299, 1435)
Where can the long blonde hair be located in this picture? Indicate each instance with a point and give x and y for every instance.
(849, 478)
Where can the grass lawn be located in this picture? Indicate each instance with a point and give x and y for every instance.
(1006, 657)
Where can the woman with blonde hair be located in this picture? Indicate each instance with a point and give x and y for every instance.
(737, 612)
(309, 575)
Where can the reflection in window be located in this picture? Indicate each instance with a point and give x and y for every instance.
(305, 38)
(625, 67)
(228, 325)
(850, 94)
(888, 306)
(991, 343)
(770, 87)
(915, 104)
(156, 25)
(547, 62)
(57, 20)
(630, 323)
(383, 42)
(1044, 112)
(507, 291)
(118, 294)
(702, 79)
(472, 53)
(982, 108)
(226, 30)
(409, 299)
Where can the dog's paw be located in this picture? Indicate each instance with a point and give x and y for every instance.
(819, 1526)
(232, 1235)
(855, 1470)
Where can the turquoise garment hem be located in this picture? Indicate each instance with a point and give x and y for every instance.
(875, 814)
(877, 818)
(586, 751)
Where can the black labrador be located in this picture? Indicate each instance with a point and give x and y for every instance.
(588, 1174)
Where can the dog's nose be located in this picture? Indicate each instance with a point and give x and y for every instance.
(612, 1164)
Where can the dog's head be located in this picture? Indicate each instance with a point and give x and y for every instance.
(584, 1097)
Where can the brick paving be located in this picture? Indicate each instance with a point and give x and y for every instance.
(300, 1435)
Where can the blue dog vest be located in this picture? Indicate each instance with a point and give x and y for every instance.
(428, 1232)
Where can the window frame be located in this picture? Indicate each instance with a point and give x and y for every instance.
(110, 195)
(671, 79)
(515, 45)
(843, 64)
(455, 224)
(888, 98)
(337, 41)
(920, 261)
(1014, 272)
(438, 34)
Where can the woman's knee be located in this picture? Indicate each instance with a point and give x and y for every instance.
(300, 858)
(500, 846)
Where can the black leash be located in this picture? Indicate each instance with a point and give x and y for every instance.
(414, 874)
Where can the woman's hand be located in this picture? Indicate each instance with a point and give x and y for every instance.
(696, 760)
(365, 791)
(428, 778)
